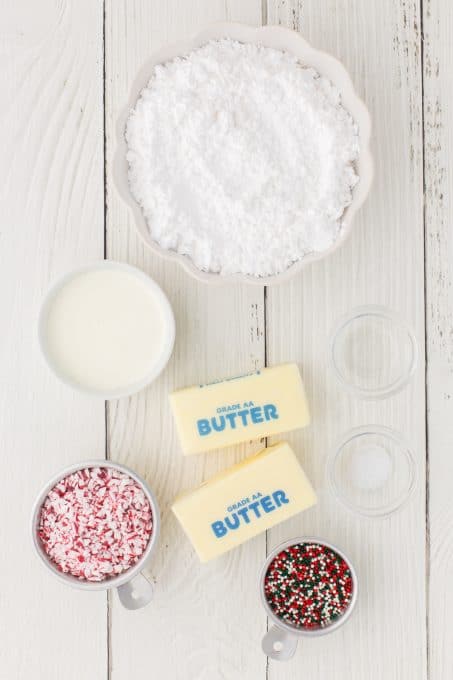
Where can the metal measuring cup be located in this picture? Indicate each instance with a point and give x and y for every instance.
(134, 589)
(280, 642)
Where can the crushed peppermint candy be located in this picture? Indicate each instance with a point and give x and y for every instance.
(95, 523)
(308, 585)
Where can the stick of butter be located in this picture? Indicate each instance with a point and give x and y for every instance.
(220, 414)
(244, 501)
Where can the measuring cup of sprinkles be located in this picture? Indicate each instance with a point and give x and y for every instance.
(94, 526)
(308, 588)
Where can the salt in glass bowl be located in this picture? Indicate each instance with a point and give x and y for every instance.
(372, 472)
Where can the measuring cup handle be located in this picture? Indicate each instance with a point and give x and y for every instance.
(135, 593)
(278, 644)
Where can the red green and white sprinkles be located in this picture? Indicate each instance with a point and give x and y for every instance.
(95, 523)
(308, 585)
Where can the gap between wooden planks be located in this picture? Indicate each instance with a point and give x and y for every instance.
(391, 53)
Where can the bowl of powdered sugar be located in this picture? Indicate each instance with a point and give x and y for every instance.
(243, 153)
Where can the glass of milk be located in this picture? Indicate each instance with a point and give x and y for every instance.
(106, 329)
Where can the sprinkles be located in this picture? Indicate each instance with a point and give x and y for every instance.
(95, 523)
(308, 585)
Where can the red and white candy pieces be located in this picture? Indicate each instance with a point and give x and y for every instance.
(95, 523)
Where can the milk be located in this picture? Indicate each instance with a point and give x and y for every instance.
(106, 329)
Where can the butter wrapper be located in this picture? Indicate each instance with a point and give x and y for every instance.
(239, 409)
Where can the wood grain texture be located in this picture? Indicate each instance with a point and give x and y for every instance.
(51, 196)
(206, 620)
(382, 263)
(438, 107)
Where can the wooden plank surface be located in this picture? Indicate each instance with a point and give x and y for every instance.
(51, 188)
(438, 108)
(206, 620)
(382, 263)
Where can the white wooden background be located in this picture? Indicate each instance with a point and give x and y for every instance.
(65, 69)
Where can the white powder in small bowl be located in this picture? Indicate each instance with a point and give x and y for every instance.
(241, 158)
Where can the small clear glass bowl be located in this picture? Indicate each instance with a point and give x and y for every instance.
(373, 352)
(372, 472)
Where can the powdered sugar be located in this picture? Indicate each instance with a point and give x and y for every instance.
(241, 159)
(95, 523)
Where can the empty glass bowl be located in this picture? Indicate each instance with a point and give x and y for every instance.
(373, 352)
(372, 472)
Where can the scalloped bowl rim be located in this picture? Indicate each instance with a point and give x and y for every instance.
(269, 36)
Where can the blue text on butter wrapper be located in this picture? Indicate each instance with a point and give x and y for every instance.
(252, 415)
(251, 513)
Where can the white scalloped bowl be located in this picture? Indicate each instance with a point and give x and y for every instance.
(278, 38)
